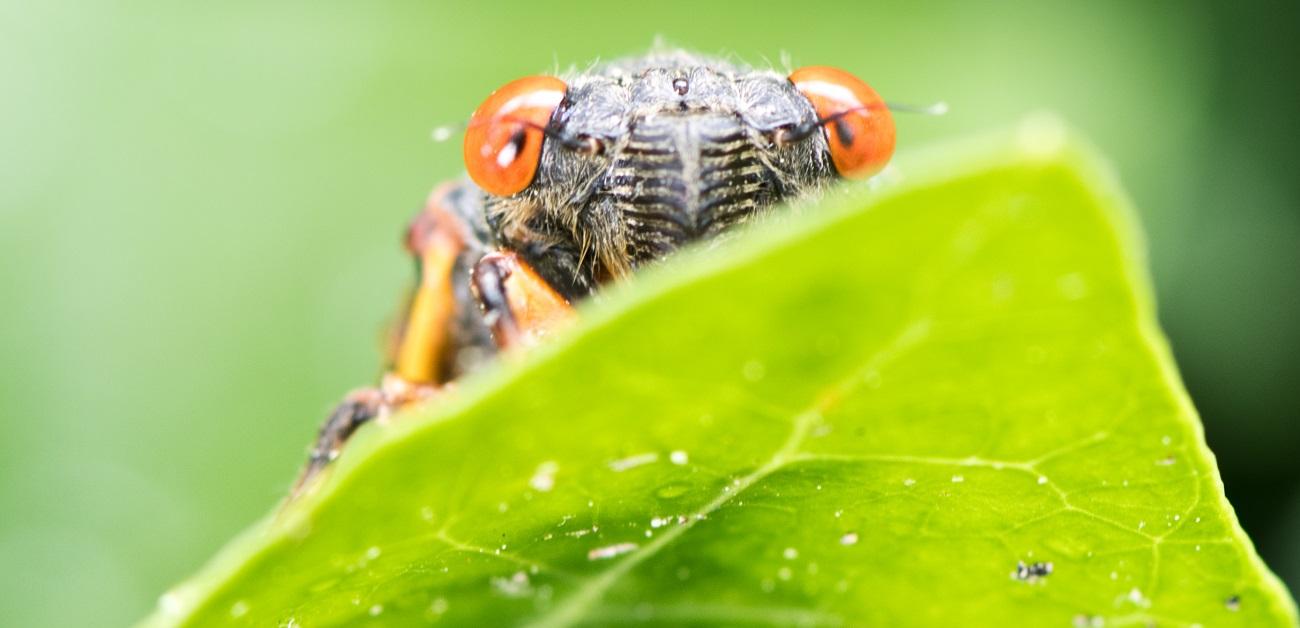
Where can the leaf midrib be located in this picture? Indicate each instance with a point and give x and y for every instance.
(592, 590)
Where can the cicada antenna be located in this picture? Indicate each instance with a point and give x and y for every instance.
(583, 144)
(444, 132)
(932, 109)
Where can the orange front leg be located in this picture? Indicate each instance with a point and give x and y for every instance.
(518, 305)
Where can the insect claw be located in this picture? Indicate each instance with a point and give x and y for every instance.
(357, 409)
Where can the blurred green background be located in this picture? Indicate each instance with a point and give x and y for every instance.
(200, 208)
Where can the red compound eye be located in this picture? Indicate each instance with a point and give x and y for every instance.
(503, 142)
(858, 126)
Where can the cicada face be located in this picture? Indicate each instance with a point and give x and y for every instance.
(595, 174)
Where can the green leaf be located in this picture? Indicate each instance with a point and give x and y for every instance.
(874, 413)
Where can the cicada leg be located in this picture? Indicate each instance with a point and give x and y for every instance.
(518, 305)
(460, 299)
(358, 408)
(423, 346)
(420, 351)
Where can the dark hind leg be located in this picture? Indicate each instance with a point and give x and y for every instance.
(358, 408)
(424, 346)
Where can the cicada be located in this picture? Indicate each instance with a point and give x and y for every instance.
(580, 180)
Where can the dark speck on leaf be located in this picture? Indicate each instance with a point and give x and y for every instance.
(1031, 572)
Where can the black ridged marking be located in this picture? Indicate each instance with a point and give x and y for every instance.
(641, 162)
(729, 166)
(671, 203)
(732, 199)
(667, 198)
(620, 182)
(731, 180)
(735, 214)
(717, 152)
(734, 136)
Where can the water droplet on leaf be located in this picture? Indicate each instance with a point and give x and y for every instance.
(631, 462)
(610, 551)
(543, 478)
(516, 585)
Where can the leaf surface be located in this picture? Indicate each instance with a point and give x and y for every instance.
(944, 401)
